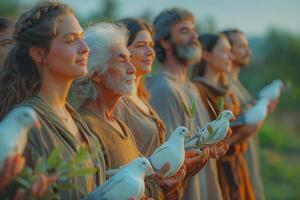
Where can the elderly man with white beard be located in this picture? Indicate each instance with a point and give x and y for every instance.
(110, 76)
(177, 47)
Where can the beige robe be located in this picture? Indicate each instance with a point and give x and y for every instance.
(167, 94)
(120, 148)
(147, 128)
(252, 153)
(53, 134)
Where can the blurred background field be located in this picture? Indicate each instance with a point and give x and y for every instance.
(273, 29)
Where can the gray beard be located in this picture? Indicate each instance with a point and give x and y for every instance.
(187, 53)
(119, 87)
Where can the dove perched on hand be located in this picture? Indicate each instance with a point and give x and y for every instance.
(14, 129)
(212, 132)
(271, 91)
(172, 151)
(127, 183)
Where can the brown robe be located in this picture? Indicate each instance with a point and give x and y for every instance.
(147, 128)
(252, 153)
(120, 148)
(54, 135)
(168, 93)
(232, 168)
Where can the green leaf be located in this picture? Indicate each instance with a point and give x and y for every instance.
(82, 172)
(54, 159)
(210, 129)
(220, 104)
(81, 155)
(186, 110)
(193, 110)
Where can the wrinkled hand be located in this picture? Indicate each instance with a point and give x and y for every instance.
(218, 150)
(171, 184)
(194, 161)
(12, 166)
(40, 185)
(272, 105)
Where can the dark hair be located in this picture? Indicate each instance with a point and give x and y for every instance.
(5, 23)
(134, 26)
(162, 27)
(229, 32)
(208, 42)
(19, 78)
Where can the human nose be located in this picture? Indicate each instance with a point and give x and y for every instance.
(84, 48)
(131, 68)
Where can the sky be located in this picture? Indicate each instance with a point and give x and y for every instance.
(254, 17)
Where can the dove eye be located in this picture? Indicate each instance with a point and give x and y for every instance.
(144, 163)
(26, 115)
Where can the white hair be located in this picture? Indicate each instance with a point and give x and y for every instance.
(101, 39)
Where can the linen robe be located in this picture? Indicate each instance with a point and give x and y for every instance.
(168, 93)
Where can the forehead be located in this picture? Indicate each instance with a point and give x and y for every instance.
(223, 43)
(120, 49)
(68, 24)
(143, 35)
(239, 39)
(186, 23)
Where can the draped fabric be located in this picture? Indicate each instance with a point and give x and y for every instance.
(120, 148)
(54, 135)
(168, 93)
(232, 170)
(147, 128)
(252, 153)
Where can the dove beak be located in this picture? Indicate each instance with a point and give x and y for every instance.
(233, 117)
(150, 169)
(189, 135)
(37, 124)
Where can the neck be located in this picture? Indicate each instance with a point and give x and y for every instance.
(55, 91)
(211, 76)
(104, 104)
(137, 83)
(176, 68)
(235, 72)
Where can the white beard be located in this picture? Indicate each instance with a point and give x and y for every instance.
(120, 86)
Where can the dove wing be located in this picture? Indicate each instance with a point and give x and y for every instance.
(111, 183)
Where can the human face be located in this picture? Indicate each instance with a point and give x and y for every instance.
(68, 54)
(184, 40)
(142, 52)
(6, 42)
(120, 75)
(220, 58)
(240, 50)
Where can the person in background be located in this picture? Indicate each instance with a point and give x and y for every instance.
(177, 47)
(209, 75)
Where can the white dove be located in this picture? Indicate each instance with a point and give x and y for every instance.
(213, 131)
(258, 112)
(172, 151)
(127, 183)
(271, 91)
(255, 114)
(14, 129)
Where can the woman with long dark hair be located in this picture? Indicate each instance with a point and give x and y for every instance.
(49, 54)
